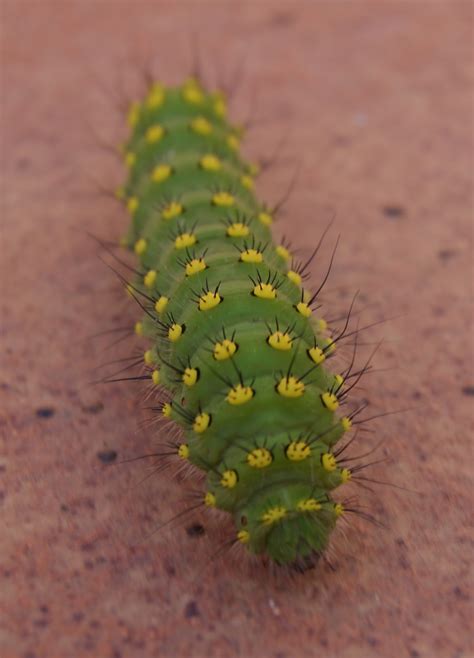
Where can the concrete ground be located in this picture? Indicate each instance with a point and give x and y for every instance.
(373, 102)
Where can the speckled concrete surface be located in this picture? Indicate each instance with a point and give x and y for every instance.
(374, 101)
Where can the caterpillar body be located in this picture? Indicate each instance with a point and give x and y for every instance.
(235, 342)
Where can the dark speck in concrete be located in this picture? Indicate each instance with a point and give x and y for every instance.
(45, 412)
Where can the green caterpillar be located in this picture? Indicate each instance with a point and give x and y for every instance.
(235, 342)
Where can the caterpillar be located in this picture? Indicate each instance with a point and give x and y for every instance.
(235, 341)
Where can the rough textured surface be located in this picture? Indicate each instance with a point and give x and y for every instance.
(374, 99)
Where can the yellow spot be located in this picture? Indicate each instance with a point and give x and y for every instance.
(259, 458)
(166, 411)
(238, 230)
(254, 169)
(321, 325)
(220, 108)
(298, 450)
(266, 219)
(229, 479)
(201, 126)
(175, 332)
(280, 341)
(223, 199)
(224, 350)
(294, 277)
(160, 173)
(130, 159)
(274, 515)
(132, 204)
(185, 240)
(120, 193)
(329, 462)
(161, 304)
(247, 182)
(264, 291)
(243, 536)
(209, 300)
(192, 94)
(346, 423)
(150, 278)
(155, 377)
(133, 115)
(290, 387)
(139, 328)
(251, 256)
(172, 210)
(148, 357)
(339, 381)
(232, 142)
(330, 401)
(330, 347)
(345, 475)
(283, 252)
(304, 309)
(338, 509)
(309, 505)
(201, 423)
(316, 354)
(195, 265)
(155, 97)
(240, 394)
(140, 246)
(307, 296)
(209, 499)
(154, 134)
(190, 376)
(183, 451)
(210, 162)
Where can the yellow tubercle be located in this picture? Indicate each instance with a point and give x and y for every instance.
(330, 347)
(224, 350)
(139, 328)
(308, 505)
(251, 256)
(156, 96)
(345, 475)
(133, 116)
(266, 219)
(294, 277)
(321, 325)
(223, 199)
(185, 240)
(150, 278)
(166, 410)
(155, 377)
(160, 173)
(328, 462)
(338, 509)
(316, 354)
(210, 162)
(254, 168)
(148, 357)
(259, 458)
(209, 300)
(264, 291)
(201, 126)
(346, 423)
(154, 133)
(229, 479)
(140, 246)
(195, 266)
(339, 381)
(239, 395)
(201, 422)
(183, 451)
(192, 94)
(330, 401)
(238, 230)
(303, 309)
(280, 341)
(132, 204)
(274, 515)
(297, 451)
(232, 142)
(175, 332)
(283, 252)
(172, 210)
(243, 536)
(220, 108)
(209, 499)
(130, 159)
(247, 182)
(290, 387)
(190, 376)
(161, 304)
